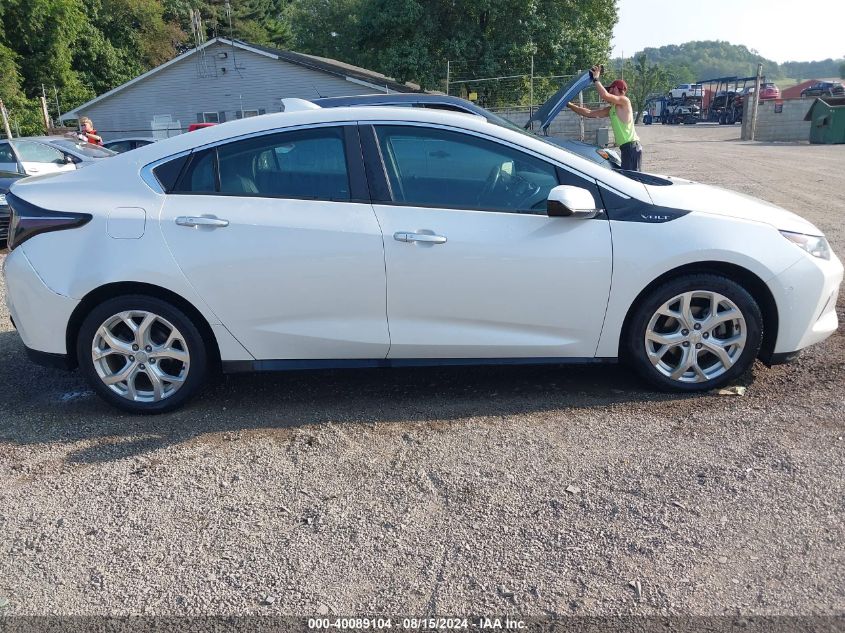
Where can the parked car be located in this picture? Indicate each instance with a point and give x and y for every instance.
(683, 91)
(198, 126)
(824, 89)
(82, 153)
(6, 179)
(723, 98)
(382, 237)
(121, 145)
(33, 156)
(603, 156)
(767, 91)
(49, 154)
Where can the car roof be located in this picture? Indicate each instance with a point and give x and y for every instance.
(171, 147)
(405, 97)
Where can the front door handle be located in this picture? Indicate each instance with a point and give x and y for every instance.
(192, 220)
(428, 238)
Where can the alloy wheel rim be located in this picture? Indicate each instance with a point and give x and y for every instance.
(140, 356)
(696, 336)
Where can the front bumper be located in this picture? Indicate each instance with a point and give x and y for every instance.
(40, 315)
(806, 295)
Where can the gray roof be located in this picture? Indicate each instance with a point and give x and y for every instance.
(322, 64)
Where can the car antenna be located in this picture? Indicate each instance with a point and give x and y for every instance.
(317, 91)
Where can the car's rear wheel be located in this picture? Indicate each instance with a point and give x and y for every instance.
(141, 354)
(694, 333)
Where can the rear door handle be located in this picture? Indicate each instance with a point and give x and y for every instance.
(406, 236)
(192, 220)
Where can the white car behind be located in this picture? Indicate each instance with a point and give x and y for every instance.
(684, 91)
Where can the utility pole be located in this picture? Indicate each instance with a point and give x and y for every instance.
(58, 108)
(44, 115)
(755, 103)
(5, 120)
(531, 90)
(448, 72)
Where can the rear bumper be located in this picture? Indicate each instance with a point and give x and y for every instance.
(46, 359)
(39, 314)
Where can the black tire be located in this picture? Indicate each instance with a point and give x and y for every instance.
(197, 369)
(634, 343)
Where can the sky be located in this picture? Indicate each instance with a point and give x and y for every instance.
(780, 30)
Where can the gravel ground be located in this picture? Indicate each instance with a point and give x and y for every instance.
(532, 491)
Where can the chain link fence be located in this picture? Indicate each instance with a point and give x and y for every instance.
(518, 93)
(517, 87)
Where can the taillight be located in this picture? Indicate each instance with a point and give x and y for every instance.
(28, 220)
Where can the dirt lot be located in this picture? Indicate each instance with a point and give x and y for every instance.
(498, 490)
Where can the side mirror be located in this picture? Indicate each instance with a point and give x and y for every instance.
(567, 201)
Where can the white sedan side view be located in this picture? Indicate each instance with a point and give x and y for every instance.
(384, 237)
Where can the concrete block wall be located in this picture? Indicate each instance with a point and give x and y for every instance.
(565, 125)
(788, 125)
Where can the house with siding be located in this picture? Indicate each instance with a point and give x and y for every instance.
(220, 80)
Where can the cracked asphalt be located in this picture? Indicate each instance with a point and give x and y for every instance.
(531, 491)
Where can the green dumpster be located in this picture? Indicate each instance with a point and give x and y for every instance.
(827, 120)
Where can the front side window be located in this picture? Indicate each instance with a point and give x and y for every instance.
(32, 152)
(440, 168)
(210, 117)
(309, 164)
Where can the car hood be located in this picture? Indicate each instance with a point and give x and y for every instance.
(546, 113)
(694, 196)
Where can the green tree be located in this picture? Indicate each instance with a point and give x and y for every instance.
(643, 80)
(328, 28)
(413, 39)
(46, 33)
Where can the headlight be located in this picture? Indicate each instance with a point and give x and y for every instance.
(816, 245)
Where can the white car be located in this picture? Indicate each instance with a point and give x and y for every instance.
(81, 153)
(49, 154)
(683, 91)
(380, 237)
(34, 156)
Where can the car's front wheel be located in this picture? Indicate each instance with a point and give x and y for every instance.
(141, 354)
(694, 333)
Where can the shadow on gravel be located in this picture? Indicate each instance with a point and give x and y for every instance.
(53, 406)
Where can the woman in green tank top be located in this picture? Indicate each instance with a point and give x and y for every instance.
(621, 118)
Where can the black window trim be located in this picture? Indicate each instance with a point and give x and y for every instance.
(358, 188)
(374, 158)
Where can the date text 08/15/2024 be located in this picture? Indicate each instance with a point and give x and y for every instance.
(416, 624)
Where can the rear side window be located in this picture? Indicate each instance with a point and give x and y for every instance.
(199, 175)
(168, 173)
(302, 164)
(6, 155)
(120, 146)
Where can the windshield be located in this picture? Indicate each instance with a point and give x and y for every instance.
(86, 149)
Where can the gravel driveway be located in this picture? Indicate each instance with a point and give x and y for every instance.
(532, 491)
